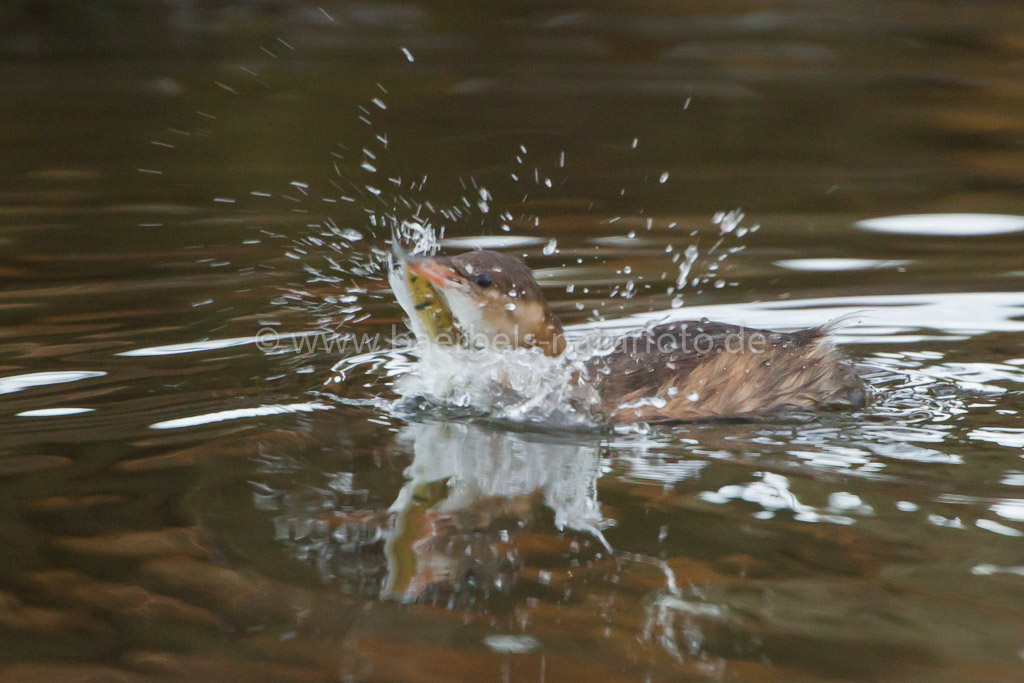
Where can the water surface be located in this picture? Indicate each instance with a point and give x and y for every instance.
(181, 502)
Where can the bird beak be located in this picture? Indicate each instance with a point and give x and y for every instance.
(439, 275)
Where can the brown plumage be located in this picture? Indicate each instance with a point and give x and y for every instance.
(693, 370)
(677, 371)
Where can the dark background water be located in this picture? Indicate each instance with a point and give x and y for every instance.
(171, 530)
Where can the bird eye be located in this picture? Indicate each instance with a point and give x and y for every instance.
(483, 280)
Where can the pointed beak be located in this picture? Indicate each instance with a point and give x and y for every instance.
(436, 273)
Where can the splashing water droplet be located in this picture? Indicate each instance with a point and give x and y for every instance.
(728, 222)
(689, 258)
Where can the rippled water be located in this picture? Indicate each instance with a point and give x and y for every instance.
(206, 475)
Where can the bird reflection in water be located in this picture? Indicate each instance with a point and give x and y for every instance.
(471, 494)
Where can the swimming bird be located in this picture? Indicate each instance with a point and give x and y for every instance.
(673, 371)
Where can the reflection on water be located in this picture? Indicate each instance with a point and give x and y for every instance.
(945, 225)
(180, 503)
(456, 526)
(15, 383)
(730, 544)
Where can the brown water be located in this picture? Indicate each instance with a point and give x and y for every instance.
(189, 507)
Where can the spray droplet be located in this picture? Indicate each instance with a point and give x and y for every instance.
(551, 247)
(689, 258)
(664, 178)
(728, 222)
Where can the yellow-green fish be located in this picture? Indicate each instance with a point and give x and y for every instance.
(429, 315)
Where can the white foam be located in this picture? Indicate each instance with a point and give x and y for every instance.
(519, 385)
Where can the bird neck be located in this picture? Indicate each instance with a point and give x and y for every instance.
(550, 336)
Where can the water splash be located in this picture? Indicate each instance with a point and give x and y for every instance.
(518, 385)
